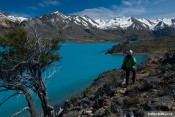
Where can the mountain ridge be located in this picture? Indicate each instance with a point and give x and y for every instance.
(100, 23)
(75, 27)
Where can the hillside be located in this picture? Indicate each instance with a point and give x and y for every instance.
(154, 90)
(84, 29)
(149, 46)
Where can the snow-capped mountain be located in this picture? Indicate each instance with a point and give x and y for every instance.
(125, 22)
(74, 27)
(114, 23)
(3, 16)
(58, 17)
(149, 23)
(87, 22)
(84, 21)
(122, 23)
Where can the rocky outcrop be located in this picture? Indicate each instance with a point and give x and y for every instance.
(6, 25)
(167, 31)
(154, 90)
(164, 103)
(150, 46)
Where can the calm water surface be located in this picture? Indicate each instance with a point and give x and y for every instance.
(80, 65)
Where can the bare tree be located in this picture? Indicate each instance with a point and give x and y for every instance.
(23, 61)
(12, 80)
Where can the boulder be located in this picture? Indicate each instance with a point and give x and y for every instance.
(148, 83)
(164, 103)
(153, 81)
(71, 114)
(170, 90)
(169, 58)
(102, 101)
(85, 102)
(99, 113)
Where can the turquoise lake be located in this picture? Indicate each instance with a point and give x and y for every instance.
(79, 66)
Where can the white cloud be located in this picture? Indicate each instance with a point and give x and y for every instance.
(128, 3)
(32, 8)
(134, 8)
(96, 13)
(132, 11)
(127, 8)
(49, 3)
(17, 14)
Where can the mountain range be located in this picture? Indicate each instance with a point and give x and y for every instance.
(81, 28)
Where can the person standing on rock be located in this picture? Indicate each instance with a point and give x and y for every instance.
(129, 65)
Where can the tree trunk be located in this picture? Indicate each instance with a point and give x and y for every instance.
(47, 108)
(29, 101)
(42, 94)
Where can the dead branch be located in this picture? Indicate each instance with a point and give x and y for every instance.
(25, 108)
(51, 74)
(59, 112)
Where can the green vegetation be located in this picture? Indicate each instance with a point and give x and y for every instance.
(23, 60)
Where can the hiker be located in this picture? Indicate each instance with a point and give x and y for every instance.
(128, 65)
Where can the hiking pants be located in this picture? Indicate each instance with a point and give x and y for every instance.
(133, 76)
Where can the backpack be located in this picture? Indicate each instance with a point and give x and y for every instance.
(124, 65)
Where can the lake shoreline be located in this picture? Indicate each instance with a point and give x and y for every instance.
(106, 97)
(147, 55)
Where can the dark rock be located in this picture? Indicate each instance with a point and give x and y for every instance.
(169, 58)
(71, 114)
(164, 103)
(166, 67)
(99, 113)
(109, 90)
(170, 90)
(148, 83)
(115, 108)
(129, 114)
(78, 108)
(139, 113)
(99, 93)
(107, 112)
(85, 103)
(100, 102)
(166, 31)
(118, 101)
(68, 106)
(106, 90)
(153, 82)
(143, 86)
(169, 75)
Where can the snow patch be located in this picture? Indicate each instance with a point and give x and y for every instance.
(123, 22)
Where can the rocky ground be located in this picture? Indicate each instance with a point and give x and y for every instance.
(154, 90)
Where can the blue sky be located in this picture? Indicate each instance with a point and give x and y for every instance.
(95, 9)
